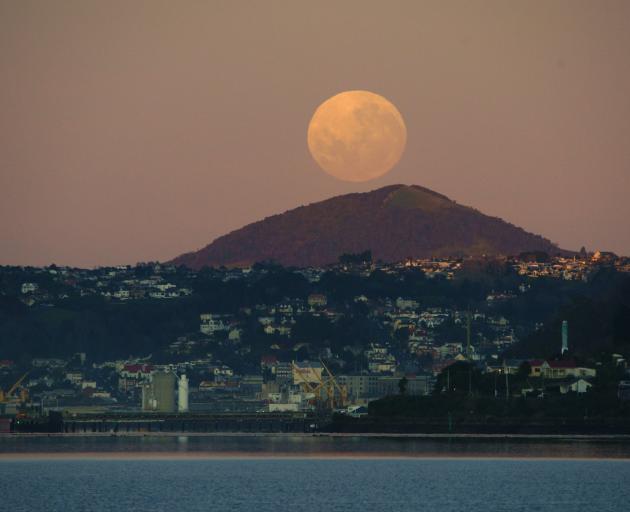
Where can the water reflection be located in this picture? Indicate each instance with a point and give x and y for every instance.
(314, 446)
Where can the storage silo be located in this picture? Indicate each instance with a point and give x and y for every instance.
(163, 387)
(182, 394)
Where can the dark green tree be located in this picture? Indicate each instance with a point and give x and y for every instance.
(402, 385)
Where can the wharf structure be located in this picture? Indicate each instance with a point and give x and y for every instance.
(165, 423)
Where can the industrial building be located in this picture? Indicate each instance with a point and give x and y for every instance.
(182, 394)
(369, 386)
(159, 394)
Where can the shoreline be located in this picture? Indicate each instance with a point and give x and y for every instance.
(325, 446)
(331, 435)
(201, 456)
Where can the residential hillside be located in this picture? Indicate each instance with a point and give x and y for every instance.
(394, 223)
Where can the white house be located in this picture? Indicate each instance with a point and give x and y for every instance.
(29, 287)
(576, 386)
(211, 323)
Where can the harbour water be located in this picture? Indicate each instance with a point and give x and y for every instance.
(270, 473)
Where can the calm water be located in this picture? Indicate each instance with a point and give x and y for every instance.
(208, 445)
(315, 484)
(254, 474)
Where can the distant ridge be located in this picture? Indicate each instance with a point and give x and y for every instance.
(394, 222)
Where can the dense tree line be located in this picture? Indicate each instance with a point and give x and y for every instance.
(598, 319)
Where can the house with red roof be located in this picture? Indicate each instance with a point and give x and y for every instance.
(559, 369)
(268, 361)
(133, 376)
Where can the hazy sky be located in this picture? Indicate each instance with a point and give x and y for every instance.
(134, 131)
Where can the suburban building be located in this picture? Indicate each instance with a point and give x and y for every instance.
(212, 323)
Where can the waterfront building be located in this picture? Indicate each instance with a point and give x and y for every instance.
(159, 394)
(182, 394)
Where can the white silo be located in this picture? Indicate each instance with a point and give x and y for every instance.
(182, 394)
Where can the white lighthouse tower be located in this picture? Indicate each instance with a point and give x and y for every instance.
(182, 394)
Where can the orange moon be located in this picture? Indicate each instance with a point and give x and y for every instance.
(357, 136)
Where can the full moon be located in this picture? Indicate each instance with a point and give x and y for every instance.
(357, 136)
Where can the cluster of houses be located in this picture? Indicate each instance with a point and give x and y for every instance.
(282, 382)
(49, 285)
(569, 268)
(416, 341)
(277, 385)
(550, 376)
(419, 328)
(158, 281)
(436, 267)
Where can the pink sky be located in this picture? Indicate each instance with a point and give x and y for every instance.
(135, 131)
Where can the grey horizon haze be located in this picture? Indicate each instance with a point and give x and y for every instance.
(137, 131)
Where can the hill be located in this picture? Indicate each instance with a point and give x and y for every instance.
(394, 222)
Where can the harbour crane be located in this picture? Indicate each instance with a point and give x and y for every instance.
(326, 390)
(7, 396)
(333, 385)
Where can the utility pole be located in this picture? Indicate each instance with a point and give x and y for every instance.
(507, 382)
(468, 354)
